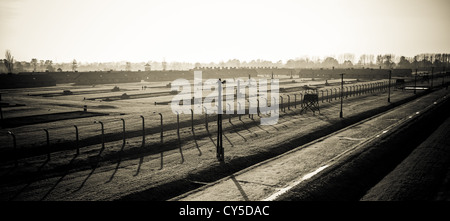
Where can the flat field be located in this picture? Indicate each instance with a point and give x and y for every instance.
(150, 167)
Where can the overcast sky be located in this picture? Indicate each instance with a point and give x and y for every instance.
(210, 30)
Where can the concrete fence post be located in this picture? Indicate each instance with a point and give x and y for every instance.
(162, 128)
(48, 144)
(123, 131)
(192, 120)
(229, 117)
(206, 118)
(77, 140)
(289, 102)
(281, 104)
(16, 151)
(239, 103)
(143, 130)
(295, 101)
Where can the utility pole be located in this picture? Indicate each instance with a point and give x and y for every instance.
(220, 152)
(342, 87)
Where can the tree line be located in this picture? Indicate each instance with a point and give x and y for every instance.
(348, 60)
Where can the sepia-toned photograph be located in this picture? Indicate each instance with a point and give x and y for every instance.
(196, 101)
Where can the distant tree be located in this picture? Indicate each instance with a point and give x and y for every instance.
(74, 65)
(49, 66)
(415, 63)
(347, 64)
(387, 61)
(330, 62)
(9, 61)
(404, 63)
(379, 60)
(41, 65)
(362, 60)
(18, 66)
(425, 62)
(34, 63)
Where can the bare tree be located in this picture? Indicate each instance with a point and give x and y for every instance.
(9, 61)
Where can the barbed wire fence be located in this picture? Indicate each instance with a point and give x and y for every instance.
(152, 126)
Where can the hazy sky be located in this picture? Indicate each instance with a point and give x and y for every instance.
(210, 30)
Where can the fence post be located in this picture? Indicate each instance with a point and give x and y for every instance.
(178, 126)
(281, 103)
(295, 101)
(289, 102)
(143, 131)
(48, 144)
(123, 131)
(257, 108)
(239, 103)
(249, 110)
(162, 128)
(322, 95)
(76, 140)
(229, 108)
(275, 109)
(16, 152)
(301, 99)
(178, 135)
(192, 120)
(206, 118)
(331, 95)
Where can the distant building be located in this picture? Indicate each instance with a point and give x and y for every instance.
(147, 67)
(164, 65)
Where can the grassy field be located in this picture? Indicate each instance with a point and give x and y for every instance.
(187, 161)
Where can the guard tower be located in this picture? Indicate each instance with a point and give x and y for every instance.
(147, 67)
(310, 100)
